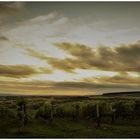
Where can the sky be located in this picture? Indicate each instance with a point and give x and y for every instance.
(69, 48)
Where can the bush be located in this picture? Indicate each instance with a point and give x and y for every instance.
(120, 109)
(45, 111)
(136, 108)
(6, 113)
(89, 110)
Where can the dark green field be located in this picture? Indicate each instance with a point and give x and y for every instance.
(69, 117)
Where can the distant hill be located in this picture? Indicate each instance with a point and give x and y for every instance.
(131, 93)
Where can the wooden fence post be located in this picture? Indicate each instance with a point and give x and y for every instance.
(98, 115)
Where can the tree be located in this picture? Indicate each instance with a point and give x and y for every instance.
(120, 109)
(137, 109)
(76, 111)
(22, 114)
(46, 112)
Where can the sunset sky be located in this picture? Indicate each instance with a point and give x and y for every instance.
(69, 48)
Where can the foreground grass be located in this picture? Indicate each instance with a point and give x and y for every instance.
(66, 128)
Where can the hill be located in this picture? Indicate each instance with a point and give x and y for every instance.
(116, 94)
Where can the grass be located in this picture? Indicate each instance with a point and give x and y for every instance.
(66, 128)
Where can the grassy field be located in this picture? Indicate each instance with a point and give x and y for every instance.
(66, 128)
(63, 125)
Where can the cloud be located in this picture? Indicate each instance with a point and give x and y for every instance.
(54, 62)
(123, 58)
(76, 50)
(33, 29)
(86, 85)
(3, 38)
(36, 54)
(61, 88)
(21, 71)
(48, 18)
(122, 78)
(10, 7)
(45, 70)
(62, 64)
(16, 71)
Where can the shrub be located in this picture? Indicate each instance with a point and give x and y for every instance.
(89, 110)
(45, 111)
(136, 108)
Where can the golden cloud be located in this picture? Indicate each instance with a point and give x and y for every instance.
(44, 70)
(16, 71)
(123, 58)
(36, 54)
(21, 71)
(64, 88)
(3, 38)
(122, 78)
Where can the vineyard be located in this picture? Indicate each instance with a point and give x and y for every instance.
(42, 117)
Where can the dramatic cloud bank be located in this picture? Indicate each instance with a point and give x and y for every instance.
(123, 58)
(69, 48)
